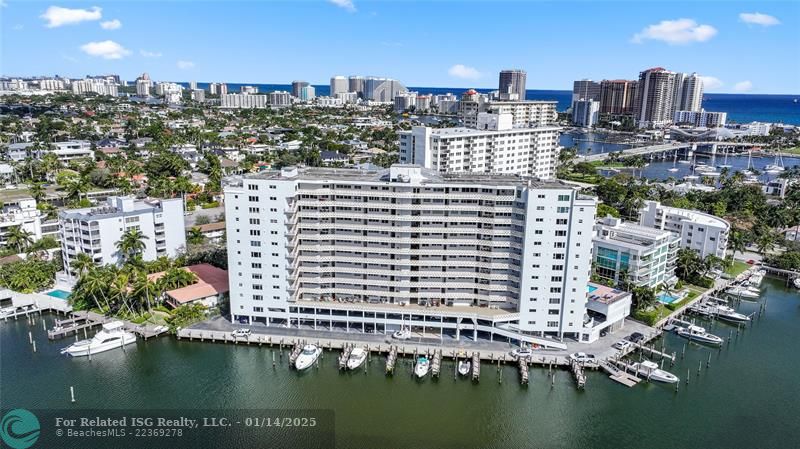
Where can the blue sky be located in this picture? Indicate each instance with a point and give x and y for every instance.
(741, 46)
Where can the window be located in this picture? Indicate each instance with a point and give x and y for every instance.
(258, 287)
(558, 267)
(253, 210)
(561, 221)
(555, 300)
(552, 324)
(258, 298)
(552, 311)
(255, 254)
(255, 232)
(561, 233)
(562, 210)
(255, 221)
(559, 245)
(258, 309)
(556, 279)
(252, 187)
(555, 289)
(255, 243)
(256, 266)
(563, 197)
(256, 275)
(252, 199)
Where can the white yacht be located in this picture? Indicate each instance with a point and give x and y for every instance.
(729, 314)
(464, 366)
(796, 282)
(357, 358)
(741, 292)
(650, 369)
(674, 168)
(402, 334)
(307, 357)
(421, 367)
(699, 334)
(755, 279)
(111, 336)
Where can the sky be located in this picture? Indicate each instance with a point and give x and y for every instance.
(738, 46)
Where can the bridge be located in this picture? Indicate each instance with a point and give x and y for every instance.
(670, 147)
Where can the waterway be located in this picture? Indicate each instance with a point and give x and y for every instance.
(747, 398)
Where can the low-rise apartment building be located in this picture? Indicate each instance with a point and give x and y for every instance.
(96, 230)
(704, 233)
(630, 253)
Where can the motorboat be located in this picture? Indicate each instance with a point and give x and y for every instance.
(741, 292)
(402, 334)
(755, 279)
(357, 358)
(422, 367)
(699, 334)
(307, 357)
(113, 335)
(729, 314)
(464, 366)
(796, 282)
(650, 370)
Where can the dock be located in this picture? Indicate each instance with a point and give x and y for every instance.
(476, 366)
(618, 375)
(298, 347)
(391, 359)
(346, 351)
(523, 371)
(655, 352)
(436, 364)
(578, 373)
(80, 320)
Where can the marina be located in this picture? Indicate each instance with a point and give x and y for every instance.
(45, 378)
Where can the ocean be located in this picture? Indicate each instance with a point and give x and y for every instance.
(741, 108)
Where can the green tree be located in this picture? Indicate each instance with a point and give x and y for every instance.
(131, 244)
(19, 238)
(195, 236)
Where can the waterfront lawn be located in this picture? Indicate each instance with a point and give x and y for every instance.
(736, 268)
(580, 177)
(795, 150)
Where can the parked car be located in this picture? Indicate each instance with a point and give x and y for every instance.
(622, 345)
(581, 357)
(522, 353)
(635, 337)
(241, 333)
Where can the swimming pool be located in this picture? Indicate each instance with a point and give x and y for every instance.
(60, 294)
(666, 298)
(591, 288)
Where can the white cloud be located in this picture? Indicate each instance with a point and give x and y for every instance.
(111, 25)
(710, 82)
(57, 16)
(105, 50)
(464, 72)
(150, 54)
(345, 4)
(743, 86)
(185, 65)
(676, 32)
(756, 18)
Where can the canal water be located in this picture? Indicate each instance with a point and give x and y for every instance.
(749, 397)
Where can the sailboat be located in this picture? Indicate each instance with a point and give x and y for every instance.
(777, 167)
(674, 163)
(725, 163)
(692, 177)
(749, 172)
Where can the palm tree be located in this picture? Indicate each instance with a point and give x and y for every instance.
(131, 244)
(765, 242)
(21, 238)
(143, 287)
(687, 264)
(195, 236)
(37, 191)
(83, 263)
(736, 242)
(176, 278)
(710, 263)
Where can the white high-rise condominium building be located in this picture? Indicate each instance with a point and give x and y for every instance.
(297, 86)
(495, 147)
(143, 87)
(243, 101)
(198, 95)
(98, 86)
(248, 90)
(51, 84)
(339, 84)
(525, 113)
(356, 84)
(307, 93)
(585, 112)
(382, 89)
(213, 88)
(483, 255)
(96, 230)
(192, 85)
(279, 98)
(691, 89)
(511, 84)
(704, 233)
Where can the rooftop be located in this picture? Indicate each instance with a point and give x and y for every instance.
(211, 281)
(419, 175)
(604, 294)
